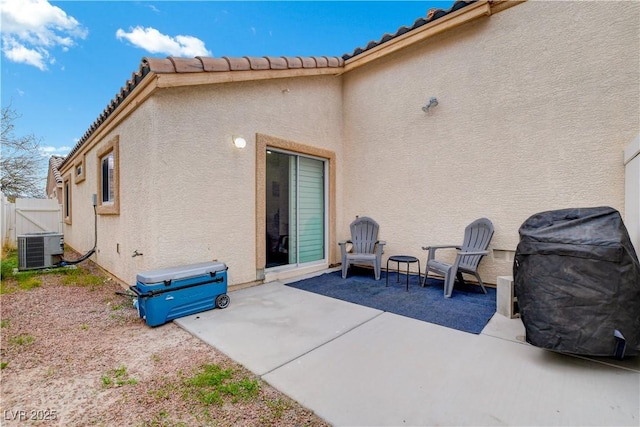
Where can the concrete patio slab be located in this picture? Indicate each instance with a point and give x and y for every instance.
(513, 330)
(357, 366)
(267, 326)
(396, 371)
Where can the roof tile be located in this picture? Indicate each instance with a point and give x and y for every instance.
(257, 63)
(238, 64)
(277, 62)
(54, 165)
(308, 62)
(293, 61)
(158, 65)
(186, 65)
(321, 61)
(432, 15)
(214, 64)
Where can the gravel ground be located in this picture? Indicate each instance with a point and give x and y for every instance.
(77, 354)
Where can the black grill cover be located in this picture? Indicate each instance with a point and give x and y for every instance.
(577, 280)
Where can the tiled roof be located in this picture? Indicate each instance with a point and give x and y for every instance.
(200, 64)
(246, 63)
(432, 15)
(54, 165)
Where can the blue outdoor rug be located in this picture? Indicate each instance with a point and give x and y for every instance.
(467, 310)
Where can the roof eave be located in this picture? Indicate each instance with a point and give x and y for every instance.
(195, 79)
(467, 14)
(143, 90)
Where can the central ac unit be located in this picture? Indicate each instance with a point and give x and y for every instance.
(40, 250)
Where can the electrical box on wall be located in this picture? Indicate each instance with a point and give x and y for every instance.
(40, 250)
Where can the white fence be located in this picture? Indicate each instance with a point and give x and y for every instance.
(632, 191)
(29, 216)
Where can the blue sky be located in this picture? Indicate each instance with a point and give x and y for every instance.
(63, 61)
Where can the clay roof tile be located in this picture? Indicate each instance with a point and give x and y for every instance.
(159, 65)
(321, 61)
(238, 64)
(308, 62)
(277, 62)
(293, 61)
(215, 64)
(186, 65)
(257, 63)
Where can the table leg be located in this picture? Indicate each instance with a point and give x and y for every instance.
(387, 274)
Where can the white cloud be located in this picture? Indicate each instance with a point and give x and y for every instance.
(32, 28)
(154, 41)
(49, 150)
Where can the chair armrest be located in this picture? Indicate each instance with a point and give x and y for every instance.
(428, 248)
(461, 253)
(380, 247)
(343, 249)
(432, 250)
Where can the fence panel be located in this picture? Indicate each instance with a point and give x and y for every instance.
(8, 222)
(37, 216)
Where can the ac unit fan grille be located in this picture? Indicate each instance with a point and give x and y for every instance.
(32, 252)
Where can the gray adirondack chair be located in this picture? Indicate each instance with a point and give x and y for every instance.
(477, 236)
(365, 247)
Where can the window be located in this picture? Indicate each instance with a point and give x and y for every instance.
(79, 171)
(108, 185)
(66, 206)
(107, 165)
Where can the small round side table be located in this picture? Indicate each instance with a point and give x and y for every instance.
(406, 259)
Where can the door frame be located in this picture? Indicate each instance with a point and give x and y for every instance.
(262, 143)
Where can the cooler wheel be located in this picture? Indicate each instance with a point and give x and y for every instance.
(222, 301)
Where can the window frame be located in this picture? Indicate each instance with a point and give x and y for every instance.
(79, 177)
(67, 201)
(111, 208)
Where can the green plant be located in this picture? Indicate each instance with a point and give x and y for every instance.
(106, 381)
(14, 280)
(3, 365)
(22, 340)
(278, 407)
(119, 377)
(5, 323)
(211, 383)
(80, 277)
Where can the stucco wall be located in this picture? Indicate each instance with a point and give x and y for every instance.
(535, 107)
(187, 193)
(118, 235)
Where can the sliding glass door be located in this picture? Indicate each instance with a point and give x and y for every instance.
(295, 209)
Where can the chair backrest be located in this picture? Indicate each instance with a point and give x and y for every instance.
(364, 235)
(477, 236)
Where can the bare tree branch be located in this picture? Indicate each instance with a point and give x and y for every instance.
(21, 164)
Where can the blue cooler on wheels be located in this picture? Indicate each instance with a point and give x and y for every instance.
(170, 293)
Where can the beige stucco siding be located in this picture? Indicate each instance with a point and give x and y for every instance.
(187, 193)
(535, 107)
(118, 235)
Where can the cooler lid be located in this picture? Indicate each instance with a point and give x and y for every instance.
(180, 272)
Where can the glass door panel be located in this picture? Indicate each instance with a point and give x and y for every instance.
(295, 209)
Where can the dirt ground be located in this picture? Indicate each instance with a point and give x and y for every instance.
(74, 353)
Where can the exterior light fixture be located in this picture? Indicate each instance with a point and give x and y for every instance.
(239, 142)
(432, 103)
